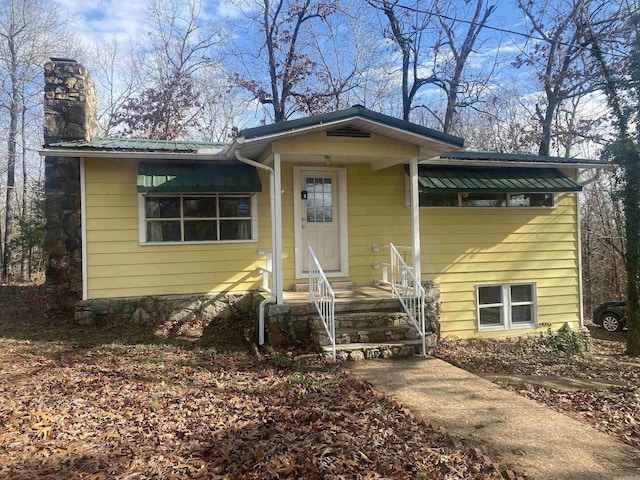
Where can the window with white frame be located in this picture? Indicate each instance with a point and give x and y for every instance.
(487, 199)
(197, 218)
(506, 306)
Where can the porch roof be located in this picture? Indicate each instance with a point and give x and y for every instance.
(356, 122)
(497, 180)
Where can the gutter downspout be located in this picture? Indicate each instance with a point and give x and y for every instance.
(274, 273)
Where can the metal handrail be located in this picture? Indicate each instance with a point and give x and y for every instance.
(322, 297)
(267, 272)
(409, 291)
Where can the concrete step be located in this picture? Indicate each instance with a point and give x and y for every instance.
(364, 320)
(369, 335)
(336, 285)
(367, 351)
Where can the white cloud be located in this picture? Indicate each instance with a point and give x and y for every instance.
(99, 20)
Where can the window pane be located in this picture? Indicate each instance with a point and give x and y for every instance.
(235, 229)
(235, 206)
(328, 215)
(531, 200)
(521, 293)
(438, 199)
(167, 231)
(491, 316)
(490, 295)
(162, 207)
(484, 199)
(200, 230)
(522, 314)
(199, 207)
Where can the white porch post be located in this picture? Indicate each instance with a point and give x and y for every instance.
(277, 248)
(415, 219)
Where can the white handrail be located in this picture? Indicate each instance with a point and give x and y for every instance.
(409, 291)
(322, 297)
(267, 272)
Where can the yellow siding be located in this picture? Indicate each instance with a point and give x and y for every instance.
(462, 248)
(118, 266)
(376, 215)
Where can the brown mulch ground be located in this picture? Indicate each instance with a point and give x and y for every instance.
(614, 410)
(97, 403)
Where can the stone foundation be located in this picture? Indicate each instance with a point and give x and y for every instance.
(182, 314)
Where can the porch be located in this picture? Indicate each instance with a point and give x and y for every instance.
(362, 322)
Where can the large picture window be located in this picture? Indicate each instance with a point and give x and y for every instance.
(197, 218)
(506, 306)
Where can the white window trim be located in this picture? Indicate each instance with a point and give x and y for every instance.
(506, 307)
(142, 218)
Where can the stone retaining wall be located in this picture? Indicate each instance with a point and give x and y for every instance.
(173, 312)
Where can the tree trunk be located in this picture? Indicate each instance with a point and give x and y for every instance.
(632, 232)
(11, 161)
(24, 213)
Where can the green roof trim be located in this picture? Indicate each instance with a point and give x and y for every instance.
(161, 177)
(140, 145)
(497, 180)
(355, 111)
(516, 157)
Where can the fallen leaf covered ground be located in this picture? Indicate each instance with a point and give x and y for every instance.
(614, 410)
(98, 403)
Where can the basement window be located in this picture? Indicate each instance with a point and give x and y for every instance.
(506, 306)
(188, 218)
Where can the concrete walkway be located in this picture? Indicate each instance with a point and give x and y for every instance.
(526, 436)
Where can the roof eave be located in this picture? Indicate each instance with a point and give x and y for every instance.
(132, 155)
(242, 141)
(512, 163)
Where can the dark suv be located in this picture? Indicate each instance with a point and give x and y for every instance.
(610, 316)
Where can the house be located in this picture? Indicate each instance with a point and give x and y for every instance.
(144, 229)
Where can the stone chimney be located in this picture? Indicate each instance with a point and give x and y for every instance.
(70, 114)
(70, 105)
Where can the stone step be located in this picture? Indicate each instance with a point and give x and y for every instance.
(369, 335)
(342, 306)
(364, 320)
(336, 285)
(367, 351)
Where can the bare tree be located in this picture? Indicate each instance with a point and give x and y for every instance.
(557, 53)
(116, 71)
(461, 90)
(280, 71)
(179, 45)
(623, 94)
(408, 28)
(26, 39)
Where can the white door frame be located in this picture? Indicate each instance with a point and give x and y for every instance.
(343, 223)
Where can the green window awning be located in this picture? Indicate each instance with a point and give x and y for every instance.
(497, 180)
(163, 177)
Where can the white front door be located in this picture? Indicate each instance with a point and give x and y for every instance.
(320, 223)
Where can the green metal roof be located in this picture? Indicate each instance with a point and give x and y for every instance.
(355, 111)
(498, 180)
(160, 177)
(139, 145)
(516, 157)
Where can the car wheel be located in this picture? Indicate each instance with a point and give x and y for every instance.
(611, 322)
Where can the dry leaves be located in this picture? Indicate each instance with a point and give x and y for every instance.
(615, 410)
(104, 404)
